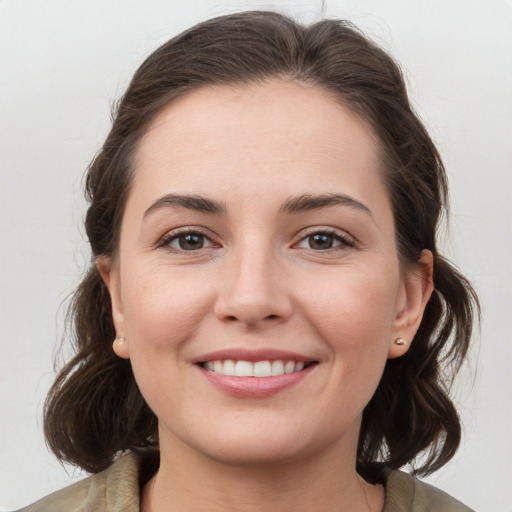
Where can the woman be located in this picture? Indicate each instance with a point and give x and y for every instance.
(263, 219)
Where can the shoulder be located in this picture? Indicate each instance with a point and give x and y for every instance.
(405, 493)
(116, 489)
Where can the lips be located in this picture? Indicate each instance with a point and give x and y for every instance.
(254, 374)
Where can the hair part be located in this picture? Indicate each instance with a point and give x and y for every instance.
(95, 410)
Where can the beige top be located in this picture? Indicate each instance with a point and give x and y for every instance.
(117, 490)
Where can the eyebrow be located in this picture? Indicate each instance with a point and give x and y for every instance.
(309, 202)
(299, 204)
(191, 202)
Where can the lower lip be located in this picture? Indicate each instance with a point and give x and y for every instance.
(255, 387)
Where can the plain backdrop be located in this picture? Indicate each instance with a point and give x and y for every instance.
(63, 63)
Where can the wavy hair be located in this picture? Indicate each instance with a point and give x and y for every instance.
(95, 410)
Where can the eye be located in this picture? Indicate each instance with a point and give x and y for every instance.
(325, 240)
(186, 241)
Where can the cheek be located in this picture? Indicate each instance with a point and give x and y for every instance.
(162, 311)
(354, 313)
(357, 305)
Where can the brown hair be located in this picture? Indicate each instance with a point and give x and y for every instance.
(95, 409)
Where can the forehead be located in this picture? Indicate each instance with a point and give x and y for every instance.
(265, 135)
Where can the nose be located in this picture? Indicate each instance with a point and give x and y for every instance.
(252, 289)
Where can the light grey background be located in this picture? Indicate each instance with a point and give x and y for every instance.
(63, 62)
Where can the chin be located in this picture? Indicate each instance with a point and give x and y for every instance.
(256, 452)
(261, 442)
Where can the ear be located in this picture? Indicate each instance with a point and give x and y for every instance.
(109, 272)
(416, 290)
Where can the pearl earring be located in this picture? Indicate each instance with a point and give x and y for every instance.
(400, 341)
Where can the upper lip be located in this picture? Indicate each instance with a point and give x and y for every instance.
(241, 354)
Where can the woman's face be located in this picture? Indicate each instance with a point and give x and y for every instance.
(258, 239)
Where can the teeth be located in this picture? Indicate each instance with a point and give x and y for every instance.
(262, 369)
(229, 367)
(244, 369)
(257, 369)
(289, 367)
(277, 368)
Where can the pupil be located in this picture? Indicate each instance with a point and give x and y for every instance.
(321, 241)
(191, 242)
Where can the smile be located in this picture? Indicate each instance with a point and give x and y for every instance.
(264, 368)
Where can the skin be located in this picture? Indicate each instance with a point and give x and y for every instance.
(259, 282)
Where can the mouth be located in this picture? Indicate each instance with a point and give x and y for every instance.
(263, 368)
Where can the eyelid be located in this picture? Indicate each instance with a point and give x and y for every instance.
(347, 241)
(165, 241)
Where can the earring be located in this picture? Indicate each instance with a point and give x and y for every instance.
(120, 347)
(400, 341)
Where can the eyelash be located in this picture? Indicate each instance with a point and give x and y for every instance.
(166, 240)
(345, 241)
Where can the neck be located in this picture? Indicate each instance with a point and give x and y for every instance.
(326, 481)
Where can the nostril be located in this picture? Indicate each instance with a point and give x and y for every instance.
(234, 318)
